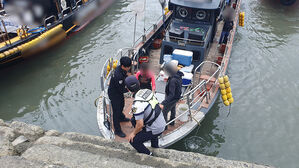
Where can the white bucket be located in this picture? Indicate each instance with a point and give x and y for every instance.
(183, 108)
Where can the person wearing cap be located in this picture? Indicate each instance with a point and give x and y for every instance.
(146, 77)
(149, 120)
(116, 92)
(173, 90)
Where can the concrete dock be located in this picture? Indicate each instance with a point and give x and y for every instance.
(25, 145)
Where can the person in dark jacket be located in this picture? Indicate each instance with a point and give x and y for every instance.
(173, 90)
(227, 17)
(116, 92)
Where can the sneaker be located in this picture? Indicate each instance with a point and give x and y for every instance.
(120, 134)
(151, 154)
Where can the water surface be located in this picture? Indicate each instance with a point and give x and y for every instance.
(57, 89)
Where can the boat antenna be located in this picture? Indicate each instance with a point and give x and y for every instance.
(134, 30)
(144, 8)
(163, 3)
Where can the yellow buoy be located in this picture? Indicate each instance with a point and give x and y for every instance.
(20, 48)
(231, 100)
(115, 64)
(228, 90)
(223, 92)
(224, 97)
(226, 78)
(221, 80)
(222, 86)
(226, 102)
(229, 95)
(166, 10)
(2, 55)
(16, 49)
(6, 53)
(11, 51)
(227, 84)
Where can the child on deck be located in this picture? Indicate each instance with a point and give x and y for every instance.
(146, 77)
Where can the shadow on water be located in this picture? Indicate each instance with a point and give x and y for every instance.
(208, 137)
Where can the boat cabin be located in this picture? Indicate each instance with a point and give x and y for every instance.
(192, 28)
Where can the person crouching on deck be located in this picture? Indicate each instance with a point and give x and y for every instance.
(116, 92)
(149, 121)
(146, 77)
(173, 90)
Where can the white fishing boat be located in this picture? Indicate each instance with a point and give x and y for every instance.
(188, 26)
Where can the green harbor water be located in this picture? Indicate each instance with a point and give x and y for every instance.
(57, 89)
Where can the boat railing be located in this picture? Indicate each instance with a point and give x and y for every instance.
(49, 20)
(183, 41)
(105, 78)
(199, 92)
(79, 3)
(66, 11)
(5, 36)
(153, 27)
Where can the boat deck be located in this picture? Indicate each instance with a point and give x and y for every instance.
(206, 72)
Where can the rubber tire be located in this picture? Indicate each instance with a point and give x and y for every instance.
(287, 2)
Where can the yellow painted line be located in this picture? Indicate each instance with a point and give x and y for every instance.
(71, 28)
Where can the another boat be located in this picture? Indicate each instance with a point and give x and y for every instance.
(31, 26)
(187, 26)
(287, 2)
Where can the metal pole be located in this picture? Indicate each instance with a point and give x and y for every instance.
(6, 32)
(144, 16)
(134, 30)
(188, 102)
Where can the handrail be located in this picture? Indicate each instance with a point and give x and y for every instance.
(148, 30)
(66, 11)
(7, 36)
(79, 3)
(48, 18)
(202, 87)
(185, 39)
(201, 64)
(105, 78)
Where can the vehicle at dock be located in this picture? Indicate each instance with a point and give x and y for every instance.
(31, 26)
(187, 32)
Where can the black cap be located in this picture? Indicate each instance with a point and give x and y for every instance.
(126, 61)
(132, 84)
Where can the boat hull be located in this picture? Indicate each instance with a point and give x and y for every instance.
(70, 24)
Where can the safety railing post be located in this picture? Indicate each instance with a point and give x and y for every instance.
(7, 36)
(189, 105)
(207, 97)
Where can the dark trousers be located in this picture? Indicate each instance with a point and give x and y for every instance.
(118, 104)
(170, 107)
(142, 137)
(223, 37)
